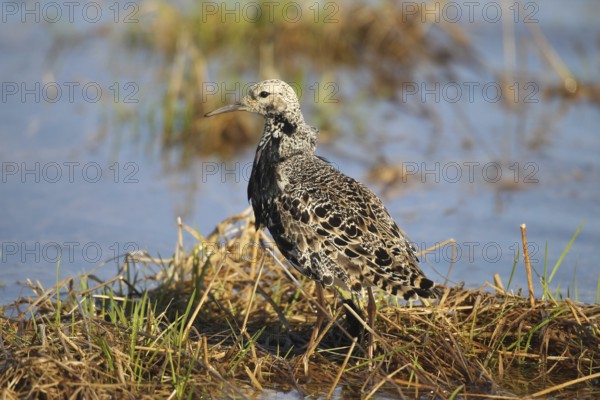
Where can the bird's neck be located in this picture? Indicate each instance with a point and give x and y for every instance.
(287, 137)
(279, 125)
(281, 141)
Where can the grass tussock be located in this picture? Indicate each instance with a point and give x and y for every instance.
(226, 319)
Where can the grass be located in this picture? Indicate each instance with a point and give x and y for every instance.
(227, 319)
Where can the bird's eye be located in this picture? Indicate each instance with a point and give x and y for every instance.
(263, 94)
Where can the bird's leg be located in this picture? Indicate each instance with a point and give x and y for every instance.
(320, 318)
(371, 311)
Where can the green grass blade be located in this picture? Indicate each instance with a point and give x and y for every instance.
(514, 268)
(545, 275)
(565, 251)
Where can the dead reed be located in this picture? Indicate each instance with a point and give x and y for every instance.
(227, 319)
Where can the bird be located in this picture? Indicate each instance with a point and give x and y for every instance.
(330, 227)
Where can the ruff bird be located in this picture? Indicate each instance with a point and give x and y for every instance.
(330, 227)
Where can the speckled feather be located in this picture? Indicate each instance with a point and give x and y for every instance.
(330, 227)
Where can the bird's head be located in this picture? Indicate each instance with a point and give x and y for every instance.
(271, 98)
(285, 129)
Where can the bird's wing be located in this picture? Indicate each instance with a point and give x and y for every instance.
(338, 230)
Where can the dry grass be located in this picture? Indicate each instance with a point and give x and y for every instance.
(228, 320)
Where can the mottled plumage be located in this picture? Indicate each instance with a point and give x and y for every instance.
(330, 227)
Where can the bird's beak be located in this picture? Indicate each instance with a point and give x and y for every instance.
(232, 107)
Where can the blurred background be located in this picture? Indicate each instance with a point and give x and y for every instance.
(468, 118)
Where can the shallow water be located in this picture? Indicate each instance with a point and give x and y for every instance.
(76, 195)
